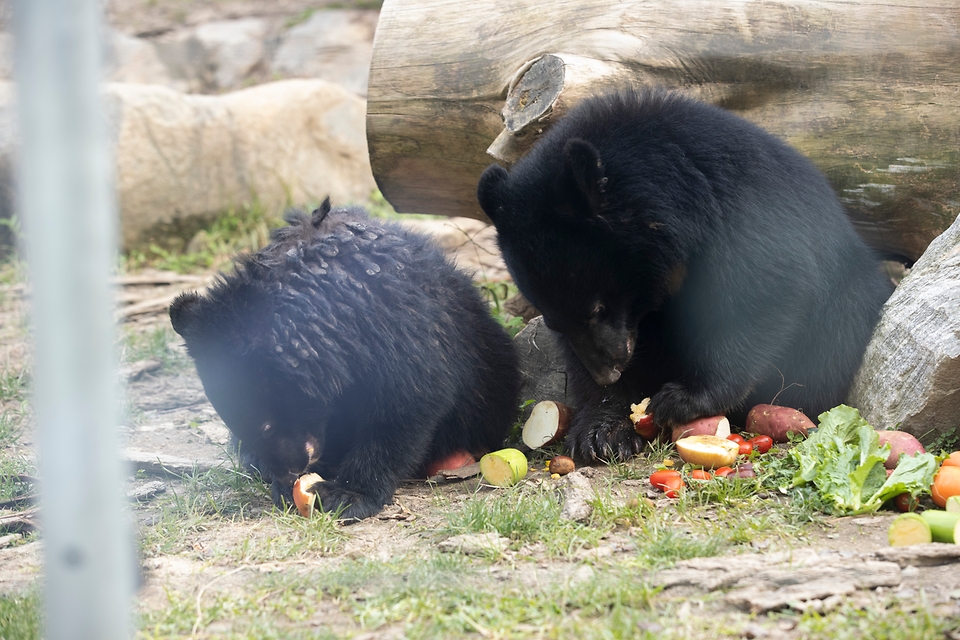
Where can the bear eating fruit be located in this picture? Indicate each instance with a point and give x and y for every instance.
(687, 255)
(353, 349)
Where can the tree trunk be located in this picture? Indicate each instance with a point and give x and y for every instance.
(868, 89)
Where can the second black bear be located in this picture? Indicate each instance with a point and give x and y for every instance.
(687, 255)
(352, 349)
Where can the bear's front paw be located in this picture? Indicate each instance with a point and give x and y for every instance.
(606, 439)
(673, 406)
(352, 506)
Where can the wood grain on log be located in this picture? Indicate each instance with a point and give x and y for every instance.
(870, 90)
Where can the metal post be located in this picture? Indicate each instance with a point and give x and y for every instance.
(68, 210)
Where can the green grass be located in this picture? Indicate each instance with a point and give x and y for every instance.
(524, 514)
(229, 495)
(238, 230)
(892, 621)
(20, 616)
(14, 384)
(155, 344)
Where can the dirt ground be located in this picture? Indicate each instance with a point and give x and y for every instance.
(172, 433)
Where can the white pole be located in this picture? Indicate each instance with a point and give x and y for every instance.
(68, 212)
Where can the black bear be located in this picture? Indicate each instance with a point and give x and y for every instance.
(687, 255)
(352, 349)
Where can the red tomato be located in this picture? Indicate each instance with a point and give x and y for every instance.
(906, 502)
(736, 437)
(700, 474)
(761, 443)
(722, 472)
(673, 486)
(659, 479)
(746, 448)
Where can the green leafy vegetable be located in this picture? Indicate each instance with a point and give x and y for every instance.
(843, 459)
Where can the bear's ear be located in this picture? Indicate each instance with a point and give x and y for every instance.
(584, 168)
(490, 191)
(184, 313)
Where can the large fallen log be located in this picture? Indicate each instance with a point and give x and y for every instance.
(870, 90)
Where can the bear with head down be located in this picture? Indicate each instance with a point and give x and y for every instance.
(686, 255)
(353, 349)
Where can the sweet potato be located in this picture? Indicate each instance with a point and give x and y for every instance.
(455, 460)
(711, 426)
(547, 424)
(777, 422)
(901, 443)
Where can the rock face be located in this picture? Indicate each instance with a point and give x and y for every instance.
(333, 45)
(542, 369)
(910, 376)
(214, 56)
(193, 155)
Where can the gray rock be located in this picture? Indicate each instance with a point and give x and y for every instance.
(475, 544)
(334, 45)
(214, 56)
(910, 376)
(576, 493)
(136, 60)
(542, 369)
(233, 49)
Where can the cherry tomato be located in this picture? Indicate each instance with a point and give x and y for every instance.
(700, 474)
(660, 478)
(736, 437)
(672, 487)
(746, 448)
(761, 443)
(906, 502)
(722, 472)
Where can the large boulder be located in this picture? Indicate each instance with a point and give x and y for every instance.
(184, 155)
(214, 56)
(910, 376)
(333, 44)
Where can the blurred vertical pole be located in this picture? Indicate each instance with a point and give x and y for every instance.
(68, 210)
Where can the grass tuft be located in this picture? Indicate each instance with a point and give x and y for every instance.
(20, 616)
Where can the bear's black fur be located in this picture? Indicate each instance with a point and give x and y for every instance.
(354, 349)
(687, 255)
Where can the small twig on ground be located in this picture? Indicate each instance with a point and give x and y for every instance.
(196, 625)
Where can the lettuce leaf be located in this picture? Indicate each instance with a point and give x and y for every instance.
(843, 459)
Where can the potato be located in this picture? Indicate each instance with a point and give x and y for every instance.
(777, 422)
(713, 426)
(708, 451)
(900, 442)
(547, 424)
(561, 465)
